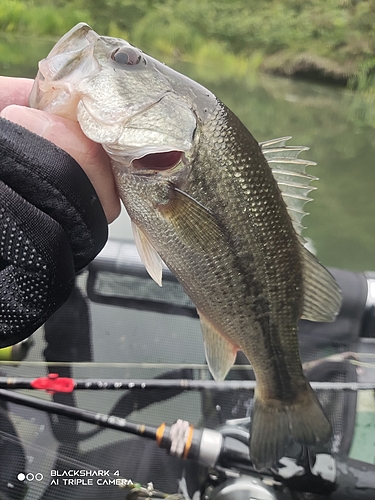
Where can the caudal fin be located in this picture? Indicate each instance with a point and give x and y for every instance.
(275, 423)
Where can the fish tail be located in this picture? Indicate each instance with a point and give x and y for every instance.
(275, 423)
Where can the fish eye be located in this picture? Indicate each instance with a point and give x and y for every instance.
(126, 56)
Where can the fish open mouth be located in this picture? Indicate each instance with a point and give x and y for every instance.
(158, 161)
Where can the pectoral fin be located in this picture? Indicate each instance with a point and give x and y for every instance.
(148, 254)
(193, 223)
(220, 353)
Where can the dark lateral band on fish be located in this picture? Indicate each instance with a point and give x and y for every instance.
(223, 212)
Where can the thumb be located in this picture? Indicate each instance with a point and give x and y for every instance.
(33, 120)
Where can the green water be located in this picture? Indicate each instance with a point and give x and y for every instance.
(342, 216)
(334, 123)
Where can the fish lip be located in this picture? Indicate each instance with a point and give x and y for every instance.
(168, 173)
(126, 167)
(174, 177)
(76, 39)
(66, 56)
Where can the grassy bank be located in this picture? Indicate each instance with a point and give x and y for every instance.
(329, 41)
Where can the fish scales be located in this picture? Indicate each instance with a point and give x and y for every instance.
(263, 292)
(202, 197)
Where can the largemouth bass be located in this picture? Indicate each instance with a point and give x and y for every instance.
(222, 211)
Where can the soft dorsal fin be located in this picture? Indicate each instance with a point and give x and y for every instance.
(322, 296)
(290, 174)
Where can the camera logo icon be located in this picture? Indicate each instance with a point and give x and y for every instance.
(30, 476)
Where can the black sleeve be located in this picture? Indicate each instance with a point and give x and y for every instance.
(51, 226)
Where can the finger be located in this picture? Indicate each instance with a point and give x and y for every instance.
(14, 91)
(68, 136)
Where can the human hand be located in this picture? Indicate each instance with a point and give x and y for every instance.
(66, 134)
(53, 220)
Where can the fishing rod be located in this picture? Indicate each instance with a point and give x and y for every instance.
(54, 383)
(180, 439)
(226, 450)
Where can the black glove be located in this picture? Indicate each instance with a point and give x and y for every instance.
(51, 226)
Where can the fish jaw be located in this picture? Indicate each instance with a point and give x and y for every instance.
(81, 80)
(149, 132)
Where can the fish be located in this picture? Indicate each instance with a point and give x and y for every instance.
(221, 210)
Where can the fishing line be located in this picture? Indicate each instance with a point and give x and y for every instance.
(197, 366)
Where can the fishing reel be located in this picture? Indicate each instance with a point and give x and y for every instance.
(305, 476)
(234, 477)
(242, 488)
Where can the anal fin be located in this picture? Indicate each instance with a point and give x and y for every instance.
(220, 352)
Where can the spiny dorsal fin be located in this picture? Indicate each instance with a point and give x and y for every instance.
(290, 174)
(275, 143)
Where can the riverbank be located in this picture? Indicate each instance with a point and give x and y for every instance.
(331, 42)
(309, 66)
